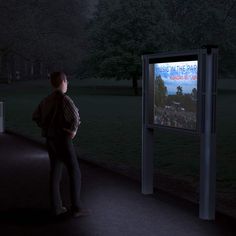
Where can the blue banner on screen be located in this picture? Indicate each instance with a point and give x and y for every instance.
(175, 89)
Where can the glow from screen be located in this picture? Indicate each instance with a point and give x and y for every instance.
(175, 90)
(175, 74)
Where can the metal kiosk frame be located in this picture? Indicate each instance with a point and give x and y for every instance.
(206, 129)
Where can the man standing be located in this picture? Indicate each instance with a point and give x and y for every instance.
(58, 118)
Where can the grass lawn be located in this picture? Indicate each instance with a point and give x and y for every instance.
(111, 129)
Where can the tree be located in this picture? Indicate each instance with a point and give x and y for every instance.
(119, 33)
(194, 94)
(179, 91)
(122, 30)
(160, 91)
(197, 23)
(50, 31)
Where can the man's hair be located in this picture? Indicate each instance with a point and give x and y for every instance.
(56, 78)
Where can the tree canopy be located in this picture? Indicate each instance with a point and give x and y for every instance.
(50, 31)
(119, 33)
(179, 90)
(197, 23)
(122, 30)
(160, 91)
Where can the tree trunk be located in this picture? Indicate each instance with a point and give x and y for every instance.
(135, 86)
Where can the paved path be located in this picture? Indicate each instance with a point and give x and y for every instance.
(118, 207)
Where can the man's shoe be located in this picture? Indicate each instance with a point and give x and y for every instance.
(81, 212)
(60, 211)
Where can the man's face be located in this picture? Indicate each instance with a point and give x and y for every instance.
(64, 84)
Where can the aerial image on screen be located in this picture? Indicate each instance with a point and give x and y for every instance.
(175, 94)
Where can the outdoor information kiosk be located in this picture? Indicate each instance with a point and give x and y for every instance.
(179, 94)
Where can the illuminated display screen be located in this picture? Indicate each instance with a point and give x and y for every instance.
(175, 94)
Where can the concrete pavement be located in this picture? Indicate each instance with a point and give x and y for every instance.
(118, 207)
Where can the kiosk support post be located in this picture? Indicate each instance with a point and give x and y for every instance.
(208, 139)
(147, 136)
(147, 161)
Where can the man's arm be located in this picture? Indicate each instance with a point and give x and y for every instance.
(71, 114)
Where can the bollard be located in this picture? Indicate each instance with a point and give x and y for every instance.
(1, 117)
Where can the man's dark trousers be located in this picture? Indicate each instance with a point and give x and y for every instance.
(61, 152)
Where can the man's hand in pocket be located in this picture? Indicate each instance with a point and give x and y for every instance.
(70, 133)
